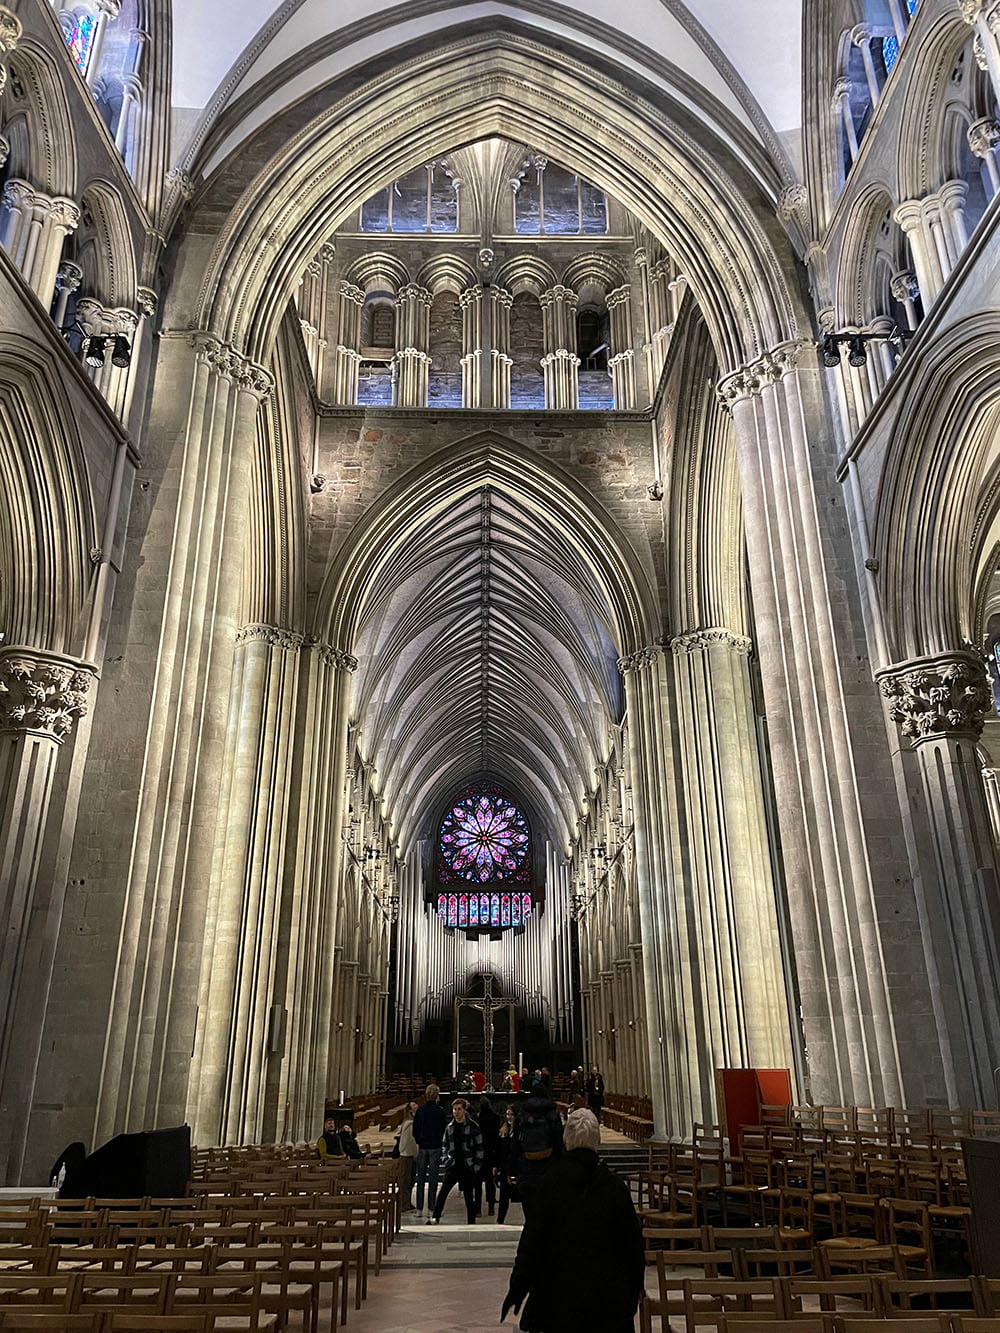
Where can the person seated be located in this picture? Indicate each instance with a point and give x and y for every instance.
(328, 1144)
(351, 1146)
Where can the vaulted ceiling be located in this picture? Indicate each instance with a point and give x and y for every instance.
(487, 648)
(719, 59)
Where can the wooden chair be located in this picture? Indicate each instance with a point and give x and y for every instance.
(907, 1226)
(902, 1297)
(707, 1300)
(874, 1259)
(23, 1320)
(808, 1324)
(834, 1296)
(755, 1188)
(918, 1324)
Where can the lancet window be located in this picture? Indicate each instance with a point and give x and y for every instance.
(423, 200)
(552, 201)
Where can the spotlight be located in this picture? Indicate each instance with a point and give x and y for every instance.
(121, 354)
(97, 349)
(831, 352)
(856, 354)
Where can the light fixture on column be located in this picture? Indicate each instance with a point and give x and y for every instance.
(97, 350)
(121, 352)
(372, 853)
(857, 352)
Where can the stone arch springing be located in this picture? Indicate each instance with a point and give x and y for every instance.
(43, 145)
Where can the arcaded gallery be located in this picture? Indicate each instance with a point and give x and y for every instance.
(500, 574)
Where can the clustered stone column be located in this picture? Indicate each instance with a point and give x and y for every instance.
(471, 303)
(412, 363)
(500, 303)
(858, 387)
(936, 231)
(906, 290)
(939, 704)
(350, 299)
(560, 364)
(98, 321)
(203, 521)
(42, 697)
(313, 299)
(34, 229)
(622, 362)
(841, 106)
(984, 16)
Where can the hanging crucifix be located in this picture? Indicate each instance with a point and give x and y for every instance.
(489, 1006)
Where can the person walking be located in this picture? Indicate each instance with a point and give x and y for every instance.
(406, 1148)
(463, 1146)
(580, 1262)
(428, 1131)
(595, 1092)
(489, 1124)
(540, 1141)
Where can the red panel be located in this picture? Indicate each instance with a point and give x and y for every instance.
(775, 1087)
(739, 1103)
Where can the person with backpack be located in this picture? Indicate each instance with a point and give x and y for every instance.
(540, 1141)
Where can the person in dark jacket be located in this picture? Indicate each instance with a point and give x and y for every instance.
(508, 1151)
(428, 1130)
(540, 1142)
(489, 1123)
(580, 1262)
(463, 1146)
(595, 1092)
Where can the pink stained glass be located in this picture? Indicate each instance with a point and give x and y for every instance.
(474, 909)
(494, 909)
(484, 838)
(515, 909)
(442, 906)
(484, 908)
(80, 39)
(463, 909)
(453, 909)
(505, 909)
(526, 903)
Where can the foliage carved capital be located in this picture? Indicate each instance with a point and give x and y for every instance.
(273, 635)
(42, 693)
(938, 696)
(700, 640)
(640, 660)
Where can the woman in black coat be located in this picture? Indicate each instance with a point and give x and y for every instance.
(595, 1092)
(580, 1261)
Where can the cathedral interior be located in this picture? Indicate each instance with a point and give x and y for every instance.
(498, 499)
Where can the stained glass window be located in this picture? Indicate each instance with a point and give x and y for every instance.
(80, 38)
(485, 911)
(890, 52)
(484, 838)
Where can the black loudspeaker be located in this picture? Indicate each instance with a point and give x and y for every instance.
(134, 1166)
(982, 1170)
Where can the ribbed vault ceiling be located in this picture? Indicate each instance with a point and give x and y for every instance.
(487, 648)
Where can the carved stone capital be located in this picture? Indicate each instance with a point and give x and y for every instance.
(350, 292)
(937, 696)
(470, 296)
(904, 286)
(414, 293)
(620, 296)
(750, 380)
(146, 300)
(983, 136)
(10, 30)
(230, 364)
(328, 252)
(700, 640)
(69, 278)
(792, 202)
(333, 657)
(558, 293)
(42, 693)
(273, 635)
(4, 143)
(638, 661)
(413, 354)
(181, 182)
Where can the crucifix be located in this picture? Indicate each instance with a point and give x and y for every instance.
(489, 1006)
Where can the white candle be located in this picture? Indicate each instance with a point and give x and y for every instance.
(520, 1061)
(341, 1096)
(454, 1064)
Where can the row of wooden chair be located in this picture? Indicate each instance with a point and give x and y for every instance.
(700, 1301)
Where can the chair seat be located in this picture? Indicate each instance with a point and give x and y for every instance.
(849, 1243)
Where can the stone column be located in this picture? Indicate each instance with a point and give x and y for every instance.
(317, 912)
(213, 411)
(229, 1073)
(413, 364)
(861, 36)
(110, 380)
(106, 11)
(471, 302)
(68, 280)
(132, 91)
(622, 361)
(939, 704)
(906, 290)
(36, 226)
(42, 696)
(928, 261)
(866, 1008)
(500, 302)
(984, 136)
(984, 17)
(345, 378)
(841, 107)
(728, 856)
(560, 364)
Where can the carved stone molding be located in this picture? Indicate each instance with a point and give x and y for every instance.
(904, 286)
(639, 660)
(42, 693)
(983, 136)
(751, 379)
(700, 640)
(273, 635)
(936, 696)
(181, 182)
